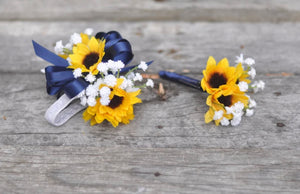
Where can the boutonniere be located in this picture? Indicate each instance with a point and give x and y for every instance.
(228, 89)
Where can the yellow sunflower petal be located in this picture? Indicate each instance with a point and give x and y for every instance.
(211, 63)
(223, 63)
(84, 38)
(209, 115)
(82, 49)
(93, 45)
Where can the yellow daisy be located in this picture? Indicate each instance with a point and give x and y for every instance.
(220, 99)
(119, 110)
(220, 76)
(87, 55)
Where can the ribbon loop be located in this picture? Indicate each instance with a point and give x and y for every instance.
(116, 48)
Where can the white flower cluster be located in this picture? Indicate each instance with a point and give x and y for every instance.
(75, 38)
(113, 66)
(258, 85)
(249, 62)
(238, 109)
(101, 87)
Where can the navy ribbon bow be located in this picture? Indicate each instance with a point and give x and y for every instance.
(60, 78)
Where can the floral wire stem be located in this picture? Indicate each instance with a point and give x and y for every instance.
(131, 70)
(141, 86)
(188, 81)
(67, 51)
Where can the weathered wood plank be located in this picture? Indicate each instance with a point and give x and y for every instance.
(173, 45)
(167, 148)
(147, 170)
(154, 10)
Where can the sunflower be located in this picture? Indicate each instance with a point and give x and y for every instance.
(221, 99)
(119, 109)
(87, 55)
(220, 76)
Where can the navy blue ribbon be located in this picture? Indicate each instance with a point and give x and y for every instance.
(60, 78)
(116, 48)
(188, 81)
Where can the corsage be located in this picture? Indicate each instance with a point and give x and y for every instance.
(227, 87)
(90, 72)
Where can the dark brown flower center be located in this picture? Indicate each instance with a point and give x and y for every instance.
(90, 60)
(115, 102)
(226, 100)
(216, 80)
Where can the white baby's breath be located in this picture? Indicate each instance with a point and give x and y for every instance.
(249, 61)
(75, 38)
(138, 77)
(240, 59)
(83, 100)
(236, 121)
(129, 84)
(58, 49)
(90, 78)
(91, 101)
(150, 83)
(236, 110)
(124, 84)
(91, 90)
(258, 85)
(113, 66)
(110, 80)
(69, 46)
(98, 82)
(225, 121)
(77, 73)
(249, 112)
(119, 64)
(143, 65)
(89, 31)
(103, 68)
(218, 115)
(243, 86)
(252, 103)
(105, 101)
(252, 73)
(130, 76)
(104, 92)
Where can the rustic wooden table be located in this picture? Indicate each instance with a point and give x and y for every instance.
(167, 148)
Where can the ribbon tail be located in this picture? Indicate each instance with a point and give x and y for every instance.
(49, 56)
(188, 81)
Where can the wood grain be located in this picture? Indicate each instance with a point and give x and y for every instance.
(167, 148)
(172, 45)
(154, 10)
